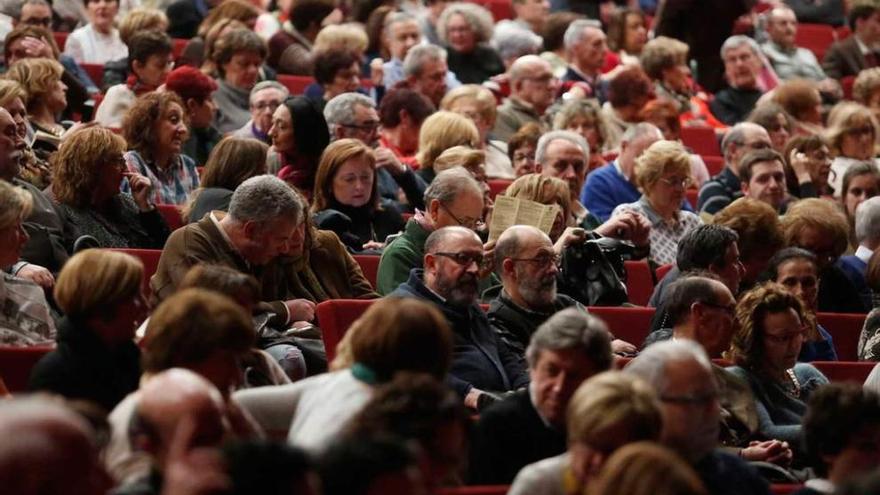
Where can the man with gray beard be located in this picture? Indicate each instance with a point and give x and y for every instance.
(528, 267)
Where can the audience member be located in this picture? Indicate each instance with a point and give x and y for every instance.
(759, 235)
(663, 113)
(31, 171)
(265, 98)
(472, 160)
(194, 89)
(46, 98)
(299, 135)
(628, 92)
(532, 91)
(290, 48)
(645, 468)
(762, 177)
(789, 60)
(425, 72)
(521, 149)
(852, 136)
(548, 190)
(439, 132)
(194, 52)
(553, 33)
(373, 465)
(585, 49)
(866, 89)
(98, 41)
(512, 42)
(564, 155)
(465, 30)
(96, 358)
(138, 20)
(725, 187)
(860, 183)
(585, 118)
(238, 57)
(850, 56)
(477, 104)
(401, 33)
(742, 65)
(800, 98)
(531, 14)
(530, 425)
(401, 115)
(867, 232)
(336, 71)
(778, 124)
(807, 167)
(627, 35)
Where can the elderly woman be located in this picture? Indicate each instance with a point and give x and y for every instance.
(807, 167)
(852, 135)
(627, 35)
(266, 97)
(336, 71)
(465, 30)
(521, 149)
(25, 318)
(46, 98)
(776, 121)
(393, 335)
(32, 169)
(478, 104)
(860, 182)
(194, 89)
(232, 161)
(663, 173)
(442, 131)
(299, 135)
(866, 89)
(238, 57)
(156, 128)
(346, 199)
(149, 60)
(664, 115)
(96, 360)
(606, 412)
(820, 227)
(89, 167)
(770, 330)
(585, 118)
(98, 41)
(800, 98)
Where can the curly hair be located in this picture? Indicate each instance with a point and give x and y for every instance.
(235, 41)
(756, 223)
(78, 161)
(37, 76)
(662, 53)
(819, 214)
(477, 17)
(798, 97)
(140, 124)
(15, 204)
(9, 91)
(348, 37)
(585, 109)
(660, 158)
(747, 346)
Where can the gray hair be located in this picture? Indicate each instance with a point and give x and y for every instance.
(652, 363)
(394, 18)
(570, 136)
(736, 135)
(576, 30)
(573, 328)
(868, 220)
(260, 86)
(341, 108)
(263, 199)
(639, 130)
(513, 41)
(478, 17)
(13, 8)
(738, 40)
(419, 55)
(448, 184)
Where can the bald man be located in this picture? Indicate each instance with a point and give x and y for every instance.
(532, 91)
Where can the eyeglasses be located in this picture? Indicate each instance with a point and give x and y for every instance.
(366, 126)
(684, 182)
(542, 260)
(38, 21)
(471, 223)
(271, 105)
(463, 259)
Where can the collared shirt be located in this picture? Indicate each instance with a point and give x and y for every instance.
(393, 73)
(863, 253)
(821, 485)
(792, 63)
(664, 234)
(170, 186)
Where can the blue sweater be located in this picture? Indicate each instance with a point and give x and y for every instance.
(606, 188)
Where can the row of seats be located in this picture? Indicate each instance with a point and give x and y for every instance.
(776, 489)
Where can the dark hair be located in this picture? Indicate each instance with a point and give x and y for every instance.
(617, 28)
(189, 82)
(757, 226)
(417, 106)
(146, 43)
(855, 170)
(554, 29)
(836, 414)
(528, 134)
(858, 12)
(786, 255)
(304, 13)
(692, 287)
(750, 159)
(328, 62)
(247, 463)
(350, 466)
(375, 25)
(704, 247)
(765, 116)
(803, 144)
(310, 132)
(628, 86)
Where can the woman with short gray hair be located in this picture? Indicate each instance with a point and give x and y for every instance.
(465, 30)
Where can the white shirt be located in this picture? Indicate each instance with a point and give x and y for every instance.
(839, 167)
(87, 46)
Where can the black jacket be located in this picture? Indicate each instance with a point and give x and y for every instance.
(357, 226)
(515, 324)
(83, 367)
(509, 436)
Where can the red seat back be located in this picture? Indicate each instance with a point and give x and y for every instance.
(177, 46)
(815, 37)
(369, 265)
(629, 324)
(16, 364)
(639, 282)
(845, 330)
(846, 84)
(692, 195)
(701, 139)
(662, 270)
(500, 9)
(779, 489)
(96, 74)
(845, 371)
(150, 259)
(335, 317)
(172, 216)
(60, 39)
(498, 186)
(474, 490)
(714, 164)
(295, 84)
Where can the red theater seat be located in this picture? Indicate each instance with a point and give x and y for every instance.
(150, 259)
(172, 216)
(714, 164)
(60, 40)
(474, 490)
(845, 330)
(334, 318)
(629, 324)
(369, 265)
(815, 37)
(498, 186)
(779, 489)
(662, 270)
(845, 371)
(295, 84)
(639, 282)
(96, 74)
(16, 364)
(702, 140)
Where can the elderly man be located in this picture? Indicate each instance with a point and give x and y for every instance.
(762, 177)
(266, 96)
(682, 376)
(742, 66)
(513, 41)
(614, 184)
(585, 44)
(855, 266)
(425, 71)
(789, 60)
(265, 221)
(401, 33)
(453, 198)
(532, 91)
(725, 187)
(482, 364)
(353, 115)
(857, 52)
(528, 426)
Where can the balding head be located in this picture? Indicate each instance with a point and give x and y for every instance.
(532, 82)
(526, 263)
(453, 257)
(782, 26)
(740, 139)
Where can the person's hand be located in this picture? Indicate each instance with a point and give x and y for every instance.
(623, 347)
(76, 127)
(831, 87)
(38, 275)
(36, 48)
(569, 237)
(802, 165)
(628, 226)
(385, 159)
(141, 189)
(373, 245)
(193, 471)
(377, 72)
(300, 309)
(772, 451)
(488, 265)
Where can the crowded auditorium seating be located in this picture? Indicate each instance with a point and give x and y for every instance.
(815, 37)
(701, 140)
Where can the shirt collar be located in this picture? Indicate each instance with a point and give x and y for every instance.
(863, 253)
(651, 213)
(225, 237)
(821, 485)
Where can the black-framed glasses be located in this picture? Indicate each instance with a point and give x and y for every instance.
(683, 182)
(542, 260)
(470, 223)
(365, 127)
(463, 259)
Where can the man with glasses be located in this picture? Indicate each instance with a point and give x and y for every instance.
(36, 13)
(725, 187)
(265, 98)
(454, 198)
(532, 91)
(482, 364)
(681, 374)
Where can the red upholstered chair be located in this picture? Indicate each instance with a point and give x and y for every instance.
(639, 282)
(369, 265)
(629, 324)
(150, 259)
(845, 330)
(475, 490)
(177, 46)
(702, 140)
(845, 371)
(335, 317)
(662, 270)
(60, 39)
(16, 364)
(96, 74)
(846, 84)
(498, 186)
(295, 84)
(815, 37)
(714, 164)
(172, 216)
(777, 489)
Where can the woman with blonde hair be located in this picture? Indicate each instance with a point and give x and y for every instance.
(647, 468)
(442, 131)
(34, 169)
(607, 411)
(46, 96)
(663, 173)
(89, 168)
(346, 198)
(547, 191)
(100, 293)
(232, 161)
(349, 37)
(852, 137)
(478, 104)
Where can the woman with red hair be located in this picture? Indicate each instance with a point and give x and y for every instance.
(194, 88)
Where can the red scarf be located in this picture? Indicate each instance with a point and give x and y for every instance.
(138, 86)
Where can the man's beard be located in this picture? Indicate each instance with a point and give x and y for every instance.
(461, 292)
(537, 292)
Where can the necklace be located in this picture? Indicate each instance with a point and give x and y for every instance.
(796, 390)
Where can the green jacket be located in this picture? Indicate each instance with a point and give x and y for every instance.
(402, 255)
